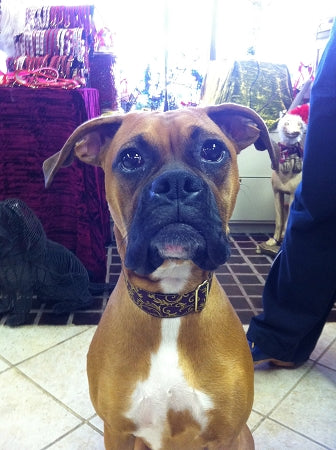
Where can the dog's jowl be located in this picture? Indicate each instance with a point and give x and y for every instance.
(169, 366)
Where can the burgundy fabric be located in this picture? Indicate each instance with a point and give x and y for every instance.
(102, 78)
(34, 124)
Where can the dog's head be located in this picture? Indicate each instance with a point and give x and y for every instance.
(171, 179)
(22, 236)
(291, 128)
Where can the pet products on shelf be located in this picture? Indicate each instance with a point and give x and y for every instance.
(58, 37)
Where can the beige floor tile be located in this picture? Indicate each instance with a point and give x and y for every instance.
(62, 372)
(310, 407)
(271, 384)
(272, 436)
(254, 420)
(18, 344)
(55, 358)
(329, 357)
(328, 335)
(29, 418)
(83, 438)
(3, 365)
(97, 422)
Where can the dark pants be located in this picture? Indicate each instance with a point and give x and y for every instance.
(300, 289)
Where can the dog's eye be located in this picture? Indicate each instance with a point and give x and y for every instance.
(131, 160)
(213, 151)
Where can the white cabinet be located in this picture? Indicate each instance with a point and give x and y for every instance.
(254, 209)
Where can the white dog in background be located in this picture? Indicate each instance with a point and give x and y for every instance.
(288, 174)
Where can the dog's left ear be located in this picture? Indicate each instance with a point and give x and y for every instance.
(244, 126)
(86, 143)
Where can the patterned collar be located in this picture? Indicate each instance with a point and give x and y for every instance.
(290, 149)
(170, 305)
(287, 150)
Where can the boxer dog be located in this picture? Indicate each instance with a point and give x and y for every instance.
(169, 365)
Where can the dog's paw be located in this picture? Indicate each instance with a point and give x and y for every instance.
(271, 242)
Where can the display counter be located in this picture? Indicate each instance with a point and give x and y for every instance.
(34, 124)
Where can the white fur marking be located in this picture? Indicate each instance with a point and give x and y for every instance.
(172, 276)
(164, 389)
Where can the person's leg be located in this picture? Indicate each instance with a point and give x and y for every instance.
(300, 289)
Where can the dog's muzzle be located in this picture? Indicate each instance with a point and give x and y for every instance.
(176, 218)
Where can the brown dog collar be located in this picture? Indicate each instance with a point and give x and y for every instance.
(170, 305)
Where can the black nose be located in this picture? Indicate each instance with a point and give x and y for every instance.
(176, 184)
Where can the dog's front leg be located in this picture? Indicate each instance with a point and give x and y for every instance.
(279, 218)
(139, 445)
(118, 441)
(280, 215)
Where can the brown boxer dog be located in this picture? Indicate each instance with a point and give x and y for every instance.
(169, 366)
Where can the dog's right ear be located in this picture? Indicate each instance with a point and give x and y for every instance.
(85, 143)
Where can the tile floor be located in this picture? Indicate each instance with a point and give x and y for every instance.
(44, 402)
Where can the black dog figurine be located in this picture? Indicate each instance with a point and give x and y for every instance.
(32, 265)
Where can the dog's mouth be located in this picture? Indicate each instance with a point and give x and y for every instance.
(292, 135)
(176, 218)
(177, 241)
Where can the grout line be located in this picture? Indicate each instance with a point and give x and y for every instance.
(297, 432)
(317, 361)
(241, 287)
(94, 426)
(40, 311)
(269, 259)
(62, 437)
(49, 394)
(70, 318)
(9, 364)
(51, 347)
(325, 367)
(262, 420)
(290, 390)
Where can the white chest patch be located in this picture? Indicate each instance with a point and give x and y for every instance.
(164, 389)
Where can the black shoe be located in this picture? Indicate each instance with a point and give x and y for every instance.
(259, 357)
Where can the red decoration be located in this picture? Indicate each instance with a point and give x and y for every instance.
(302, 111)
